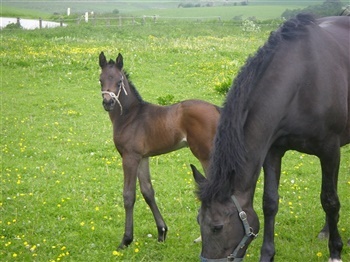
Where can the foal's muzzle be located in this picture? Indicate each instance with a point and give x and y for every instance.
(108, 105)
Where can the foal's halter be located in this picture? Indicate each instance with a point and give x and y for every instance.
(248, 234)
(115, 97)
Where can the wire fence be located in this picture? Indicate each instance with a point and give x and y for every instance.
(120, 21)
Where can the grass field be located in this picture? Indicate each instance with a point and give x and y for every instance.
(61, 178)
(259, 9)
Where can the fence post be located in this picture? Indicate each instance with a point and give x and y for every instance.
(40, 22)
(18, 21)
(61, 22)
(133, 20)
(120, 21)
(144, 20)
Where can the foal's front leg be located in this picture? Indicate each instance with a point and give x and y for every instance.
(130, 165)
(148, 194)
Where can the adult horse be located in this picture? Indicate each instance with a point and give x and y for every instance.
(142, 130)
(294, 93)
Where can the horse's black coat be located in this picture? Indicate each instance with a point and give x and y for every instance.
(292, 94)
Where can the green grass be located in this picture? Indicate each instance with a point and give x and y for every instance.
(224, 12)
(259, 9)
(61, 177)
(10, 11)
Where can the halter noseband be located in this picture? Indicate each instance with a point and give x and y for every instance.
(115, 97)
(248, 233)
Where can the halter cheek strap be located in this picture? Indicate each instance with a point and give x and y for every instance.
(115, 97)
(247, 229)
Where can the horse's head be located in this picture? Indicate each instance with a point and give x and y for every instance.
(226, 227)
(112, 81)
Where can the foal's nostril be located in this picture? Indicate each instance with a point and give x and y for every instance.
(108, 104)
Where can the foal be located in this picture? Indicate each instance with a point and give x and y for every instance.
(142, 130)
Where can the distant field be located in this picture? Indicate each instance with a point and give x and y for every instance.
(260, 9)
(225, 12)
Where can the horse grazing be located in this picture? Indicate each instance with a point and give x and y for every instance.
(142, 130)
(293, 94)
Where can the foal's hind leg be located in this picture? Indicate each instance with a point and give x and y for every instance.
(330, 160)
(147, 191)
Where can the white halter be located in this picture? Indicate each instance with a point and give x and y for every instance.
(116, 96)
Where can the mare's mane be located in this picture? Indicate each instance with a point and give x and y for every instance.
(229, 149)
(112, 63)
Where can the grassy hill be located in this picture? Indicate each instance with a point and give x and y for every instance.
(261, 9)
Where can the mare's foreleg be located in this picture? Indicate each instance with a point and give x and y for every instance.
(148, 194)
(330, 160)
(272, 173)
(130, 165)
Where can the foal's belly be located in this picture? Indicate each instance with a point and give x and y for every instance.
(168, 148)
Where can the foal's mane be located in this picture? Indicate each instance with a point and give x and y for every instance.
(112, 63)
(229, 150)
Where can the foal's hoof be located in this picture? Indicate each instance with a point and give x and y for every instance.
(125, 243)
(121, 247)
(162, 231)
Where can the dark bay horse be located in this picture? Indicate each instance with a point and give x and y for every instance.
(142, 130)
(293, 94)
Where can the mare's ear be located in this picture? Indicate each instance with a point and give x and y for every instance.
(198, 177)
(119, 61)
(103, 60)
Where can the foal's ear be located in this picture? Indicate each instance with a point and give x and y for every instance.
(103, 60)
(119, 61)
(198, 177)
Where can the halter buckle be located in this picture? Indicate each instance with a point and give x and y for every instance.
(243, 215)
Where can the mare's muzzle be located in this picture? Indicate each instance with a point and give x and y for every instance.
(233, 257)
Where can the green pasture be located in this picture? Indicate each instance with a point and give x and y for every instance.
(61, 177)
(262, 12)
(259, 9)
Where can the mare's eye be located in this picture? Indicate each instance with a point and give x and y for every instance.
(217, 228)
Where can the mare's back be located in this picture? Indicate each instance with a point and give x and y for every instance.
(315, 80)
